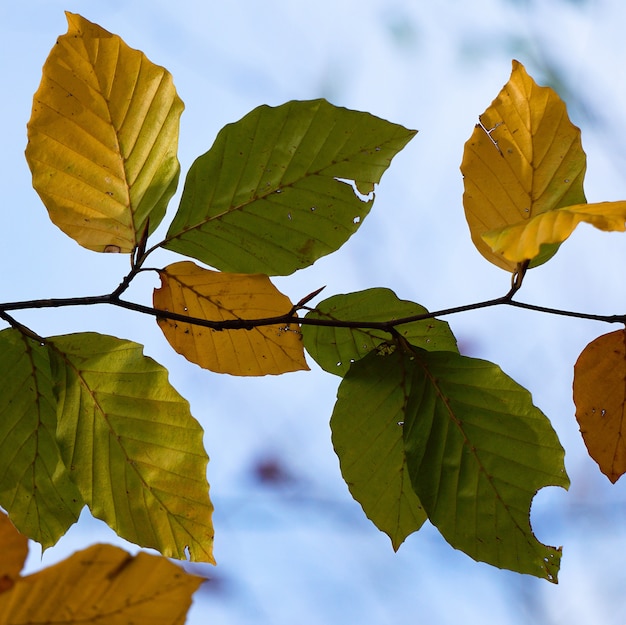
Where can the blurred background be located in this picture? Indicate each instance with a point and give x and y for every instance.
(291, 544)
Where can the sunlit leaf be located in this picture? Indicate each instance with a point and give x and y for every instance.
(523, 159)
(35, 487)
(283, 186)
(215, 296)
(366, 426)
(523, 241)
(102, 584)
(600, 398)
(335, 348)
(131, 444)
(102, 138)
(14, 549)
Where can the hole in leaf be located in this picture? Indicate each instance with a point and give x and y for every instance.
(364, 197)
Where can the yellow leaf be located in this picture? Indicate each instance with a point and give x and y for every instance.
(523, 159)
(217, 296)
(102, 138)
(14, 549)
(102, 584)
(600, 398)
(523, 241)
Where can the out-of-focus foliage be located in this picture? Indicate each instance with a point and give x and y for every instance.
(99, 584)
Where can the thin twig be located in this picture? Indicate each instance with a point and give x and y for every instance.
(290, 318)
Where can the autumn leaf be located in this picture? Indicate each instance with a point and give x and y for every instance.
(131, 445)
(334, 349)
(102, 584)
(35, 485)
(14, 549)
(523, 241)
(283, 186)
(366, 426)
(524, 158)
(102, 138)
(600, 398)
(215, 296)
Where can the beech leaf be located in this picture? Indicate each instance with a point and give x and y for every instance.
(366, 425)
(283, 186)
(523, 241)
(102, 584)
(475, 447)
(131, 444)
(523, 159)
(477, 452)
(600, 398)
(102, 138)
(35, 485)
(216, 296)
(14, 549)
(334, 349)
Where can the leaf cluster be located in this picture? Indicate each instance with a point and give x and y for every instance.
(421, 431)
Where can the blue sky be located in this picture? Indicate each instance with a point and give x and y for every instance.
(303, 552)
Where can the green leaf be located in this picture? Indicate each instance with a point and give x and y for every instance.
(477, 451)
(102, 138)
(283, 186)
(131, 444)
(335, 348)
(35, 487)
(367, 436)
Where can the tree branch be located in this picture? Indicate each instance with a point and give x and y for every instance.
(291, 317)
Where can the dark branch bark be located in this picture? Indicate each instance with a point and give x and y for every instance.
(291, 318)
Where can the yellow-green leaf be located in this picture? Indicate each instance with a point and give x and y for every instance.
(102, 138)
(102, 584)
(131, 445)
(523, 241)
(35, 485)
(216, 296)
(523, 159)
(600, 398)
(14, 549)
